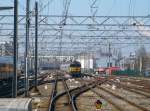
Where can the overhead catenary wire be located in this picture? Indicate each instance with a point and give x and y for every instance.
(66, 4)
(47, 29)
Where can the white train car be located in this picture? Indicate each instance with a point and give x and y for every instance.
(65, 67)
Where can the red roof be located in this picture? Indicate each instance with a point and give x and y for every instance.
(114, 68)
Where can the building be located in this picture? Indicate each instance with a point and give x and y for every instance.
(6, 49)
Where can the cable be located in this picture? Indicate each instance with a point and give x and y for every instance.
(66, 4)
(130, 8)
(148, 7)
(20, 5)
(46, 5)
(114, 2)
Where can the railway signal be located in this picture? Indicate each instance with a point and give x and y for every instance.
(98, 104)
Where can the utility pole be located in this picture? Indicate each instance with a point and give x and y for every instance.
(27, 46)
(14, 95)
(109, 49)
(36, 43)
(35, 91)
(109, 55)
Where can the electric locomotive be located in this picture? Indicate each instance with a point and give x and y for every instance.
(6, 67)
(75, 69)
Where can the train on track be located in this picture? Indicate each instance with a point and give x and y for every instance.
(73, 68)
(6, 67)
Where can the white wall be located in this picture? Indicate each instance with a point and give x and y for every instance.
(86, 62)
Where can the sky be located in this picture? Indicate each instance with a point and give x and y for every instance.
(82, 7)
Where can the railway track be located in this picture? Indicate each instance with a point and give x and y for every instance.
(129, 88)
(133, 105)
(134, 82)
(55, 95)
(119, 101)
(66, 100)
(138, 84)
(100, 95)
(6, 91)
(71, 102)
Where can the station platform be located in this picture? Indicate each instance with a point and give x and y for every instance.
(17, 104)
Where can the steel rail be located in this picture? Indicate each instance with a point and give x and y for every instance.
(53, 94)
(87, 88)
(124, 99)
(70, 96)
(91, 88)
(80, 89)
(119, 97)
(131, 89)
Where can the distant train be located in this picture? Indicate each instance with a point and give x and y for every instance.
(49, 66)
(73, 68)
(6, 67)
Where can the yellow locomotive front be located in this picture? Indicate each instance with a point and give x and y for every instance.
(75, 69)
